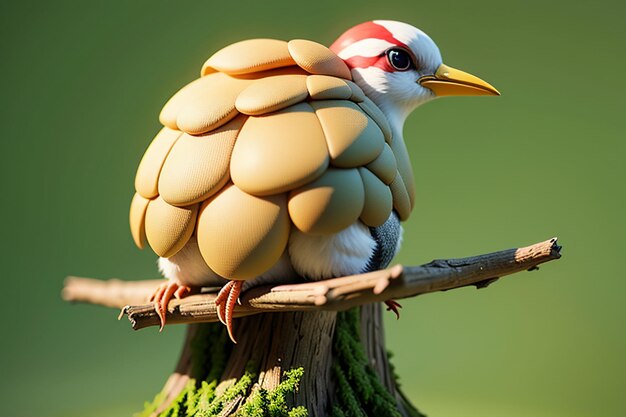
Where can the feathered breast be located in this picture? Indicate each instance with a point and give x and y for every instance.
(274, 135)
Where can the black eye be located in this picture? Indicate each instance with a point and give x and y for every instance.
(399, 59)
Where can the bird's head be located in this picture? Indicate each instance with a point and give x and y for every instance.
(399, 67)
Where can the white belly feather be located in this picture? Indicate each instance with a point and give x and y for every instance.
(187, 267)
(314, 257)
(320, 257)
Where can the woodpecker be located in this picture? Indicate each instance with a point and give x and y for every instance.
(286, 161)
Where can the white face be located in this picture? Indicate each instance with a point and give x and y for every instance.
(387, 59)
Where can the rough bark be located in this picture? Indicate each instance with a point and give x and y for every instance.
(333, 294)
(280, 342)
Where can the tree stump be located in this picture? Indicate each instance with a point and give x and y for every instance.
(337, 363)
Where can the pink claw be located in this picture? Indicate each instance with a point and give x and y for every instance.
(182, 292)
(162, 296)
(225, 303)
(222, 296)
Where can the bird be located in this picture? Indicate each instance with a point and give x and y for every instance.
(285, 160)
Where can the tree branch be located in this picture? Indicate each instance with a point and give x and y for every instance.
(332, 294)
(113, 293)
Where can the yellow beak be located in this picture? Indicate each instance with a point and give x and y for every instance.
(449, 81)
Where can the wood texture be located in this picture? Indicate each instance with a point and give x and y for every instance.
(333, 294)
(305, 341)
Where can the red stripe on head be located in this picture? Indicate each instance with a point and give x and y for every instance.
(367, 30)
(369, 61)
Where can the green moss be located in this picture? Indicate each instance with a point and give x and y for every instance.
(299, 411)
(203, 398)
(349, 404)
(358, 388)
(337, 412)
(264, 403)
(151, 406)
(256, 406)
(208, 360)
(180, 405)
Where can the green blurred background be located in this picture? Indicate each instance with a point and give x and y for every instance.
(81, 87)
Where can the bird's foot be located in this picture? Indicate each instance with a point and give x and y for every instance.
(162, 296)
(393, 305)
(225, 303)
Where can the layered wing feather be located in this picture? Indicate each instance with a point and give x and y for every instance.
(274, 135)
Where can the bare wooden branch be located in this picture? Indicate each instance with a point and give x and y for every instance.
(113, 293)
(333, 294)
